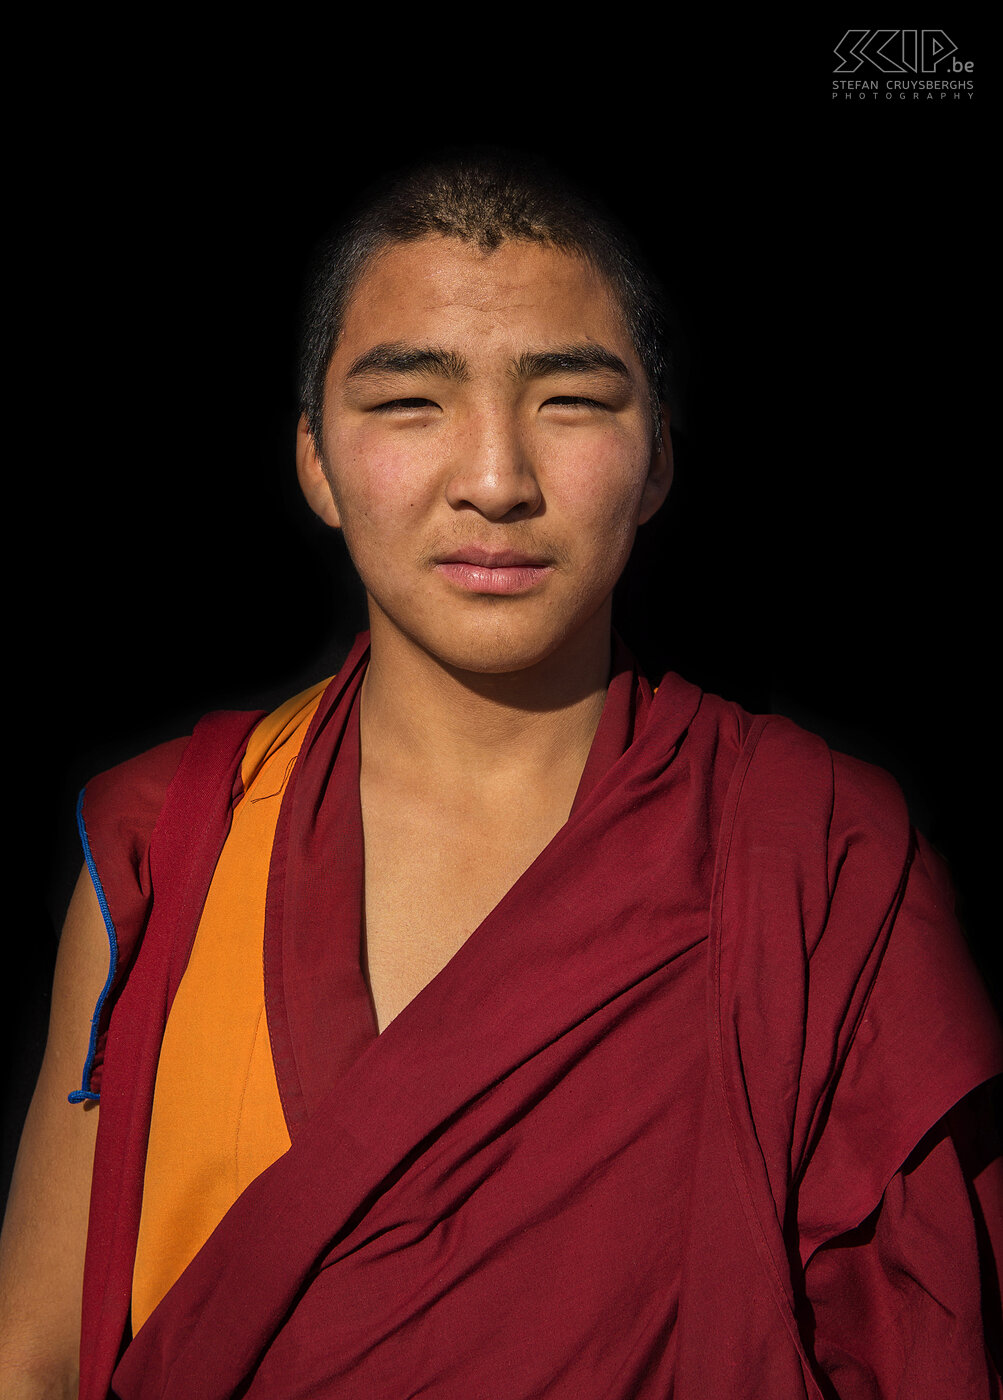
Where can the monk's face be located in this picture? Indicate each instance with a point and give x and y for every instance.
(487, 450)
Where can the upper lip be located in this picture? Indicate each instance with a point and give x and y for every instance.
(493, 558)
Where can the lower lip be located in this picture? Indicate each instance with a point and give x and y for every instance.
(479, 578)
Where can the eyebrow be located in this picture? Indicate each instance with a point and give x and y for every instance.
(569, 359)
(398, 357)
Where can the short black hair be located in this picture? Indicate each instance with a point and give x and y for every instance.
(483, 196)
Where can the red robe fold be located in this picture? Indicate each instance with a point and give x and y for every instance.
(672, 1122)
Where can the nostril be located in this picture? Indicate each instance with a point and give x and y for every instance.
(511, 494)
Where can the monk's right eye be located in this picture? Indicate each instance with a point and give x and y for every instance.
(393, 405)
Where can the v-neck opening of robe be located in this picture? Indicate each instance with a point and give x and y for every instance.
(320, 1009)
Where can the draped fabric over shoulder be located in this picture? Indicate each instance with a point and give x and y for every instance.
(690, 1114)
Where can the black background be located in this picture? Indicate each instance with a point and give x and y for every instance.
(825, 552)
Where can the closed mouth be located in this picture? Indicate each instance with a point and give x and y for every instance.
(493, 573)
(494, 558)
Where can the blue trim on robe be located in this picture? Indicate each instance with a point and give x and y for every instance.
(85, 1092)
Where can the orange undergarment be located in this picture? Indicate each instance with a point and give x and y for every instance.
(217, 1118)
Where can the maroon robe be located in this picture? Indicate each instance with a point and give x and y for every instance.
(674, 1121)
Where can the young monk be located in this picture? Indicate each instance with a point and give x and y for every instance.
(483, 1022)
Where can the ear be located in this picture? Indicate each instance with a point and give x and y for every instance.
(656, 488)
(313, 478)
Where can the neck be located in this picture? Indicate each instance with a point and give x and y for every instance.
(425, 718)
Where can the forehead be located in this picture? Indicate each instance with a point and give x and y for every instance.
(519, 295)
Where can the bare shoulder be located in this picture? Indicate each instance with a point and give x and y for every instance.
(45, 1229)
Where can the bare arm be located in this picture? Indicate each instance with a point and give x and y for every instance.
(45, 1229)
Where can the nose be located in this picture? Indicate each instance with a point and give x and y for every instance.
(493, 473)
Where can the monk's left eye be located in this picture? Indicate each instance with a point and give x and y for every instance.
(573, 401)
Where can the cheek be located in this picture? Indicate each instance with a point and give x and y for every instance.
(606, 537)
(379, 487)
(600, 486)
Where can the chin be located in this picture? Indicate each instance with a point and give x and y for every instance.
(487, 657)
(503, 645)
(496, 636)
